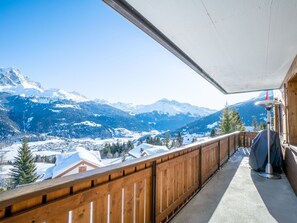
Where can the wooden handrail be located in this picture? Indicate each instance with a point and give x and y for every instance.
(180, 173)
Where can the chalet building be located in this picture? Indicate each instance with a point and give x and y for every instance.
(146, 149)
(139, 151)
(74, 161)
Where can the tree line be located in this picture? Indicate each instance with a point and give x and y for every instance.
(230, 121)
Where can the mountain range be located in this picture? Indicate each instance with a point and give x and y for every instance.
(247, 110)
(26, 107)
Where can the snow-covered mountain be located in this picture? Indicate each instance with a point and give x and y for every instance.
(247, 110)
(14, 82)
(27, 108)
(165, 106)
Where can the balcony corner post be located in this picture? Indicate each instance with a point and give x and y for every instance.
(154, 191)
(200, 168)
(234, 144)
(228, 147)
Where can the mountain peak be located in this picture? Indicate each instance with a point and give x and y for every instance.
(14, 82)
(165, 106)
(11, 77)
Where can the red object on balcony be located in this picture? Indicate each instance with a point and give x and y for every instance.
(267, 95)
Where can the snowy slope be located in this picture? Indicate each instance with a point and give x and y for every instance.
(165, 106)
(247, 110)
(14, 82)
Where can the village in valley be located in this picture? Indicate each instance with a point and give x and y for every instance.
(57, 157)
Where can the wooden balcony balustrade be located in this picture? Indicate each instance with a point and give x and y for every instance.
(150, 189)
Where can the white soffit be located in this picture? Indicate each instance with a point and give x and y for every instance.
(241, 45)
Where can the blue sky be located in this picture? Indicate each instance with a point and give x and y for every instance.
(87, 47)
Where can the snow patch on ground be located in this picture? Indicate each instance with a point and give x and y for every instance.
(210, 126)
(88, 123)
(67, 106)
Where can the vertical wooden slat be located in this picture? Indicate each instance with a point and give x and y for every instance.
(185, 180)
(158, 191)
(100, 207)
(81, 214)
(200, 167)
(176, 181)
(228, 147)
(197, 169)
(170, 179)
(164, 189)
(181, 179)
(188, 169)
(219, 154)
(140, 201)
(116, 203)
(150, 198)
(129, 203)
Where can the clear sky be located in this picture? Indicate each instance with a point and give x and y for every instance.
(85, 46)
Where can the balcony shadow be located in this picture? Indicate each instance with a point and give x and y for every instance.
(278, 197)
(202, 207)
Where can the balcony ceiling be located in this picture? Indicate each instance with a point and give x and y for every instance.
(237, 45)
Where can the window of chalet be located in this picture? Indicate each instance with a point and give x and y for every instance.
(82, 169)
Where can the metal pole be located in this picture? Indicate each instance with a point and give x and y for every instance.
(268, 134)
(268, 168)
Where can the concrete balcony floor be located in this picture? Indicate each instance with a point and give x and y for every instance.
(238, 194)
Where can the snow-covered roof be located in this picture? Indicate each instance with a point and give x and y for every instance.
(120, 159)
(146, 149)
(74, 156)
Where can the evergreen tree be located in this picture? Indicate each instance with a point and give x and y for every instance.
(225, 122)
(236, 122)
(179, 140)
(230, 121)
(158, 141)
(24, 169)
(106, 149)
(130, 145)
(149, 140)
(213, 132)
(173, 144)
(262, 126)
(139, 142)
(124, 157)
(255, 124)
(167, 139)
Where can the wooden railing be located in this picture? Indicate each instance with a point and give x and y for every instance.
(150, 189)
